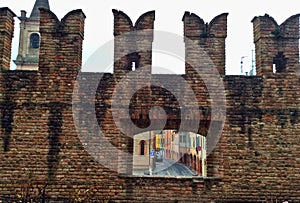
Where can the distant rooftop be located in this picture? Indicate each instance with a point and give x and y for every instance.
(35, 13)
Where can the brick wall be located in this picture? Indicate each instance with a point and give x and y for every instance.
(50, 122)
(210, 36)
(272, 39)
(6, 31)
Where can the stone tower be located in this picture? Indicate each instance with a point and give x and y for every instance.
(29, 42)
(276, 46)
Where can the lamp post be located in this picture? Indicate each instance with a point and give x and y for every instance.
(151, 152)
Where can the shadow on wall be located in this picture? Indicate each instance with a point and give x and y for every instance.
(55, 123)
(7, 120)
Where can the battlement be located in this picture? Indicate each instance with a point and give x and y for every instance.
(61, 42)
(133, 43)
(276, 46)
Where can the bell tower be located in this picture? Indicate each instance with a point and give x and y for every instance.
(29, 41)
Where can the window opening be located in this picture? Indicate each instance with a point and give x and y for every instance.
(167, 155)
(142, 148)
(34, 41)
(274, 68)
(133, 60)
(279, 63)
(133, 66)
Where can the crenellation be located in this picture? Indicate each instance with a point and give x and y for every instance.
(277, 46)
(216, 23)
(194, 26)
(132, 43)
(211, 38)
(61, 45)
(145, 21)
(122, 23)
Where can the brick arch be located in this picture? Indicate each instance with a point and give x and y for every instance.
(141, 103)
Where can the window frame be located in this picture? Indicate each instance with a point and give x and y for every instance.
(34, 41)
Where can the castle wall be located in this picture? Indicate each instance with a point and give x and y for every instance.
(276, 44)
(50, 121)
(7, 31)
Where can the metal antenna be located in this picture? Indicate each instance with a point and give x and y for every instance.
(242, 64)
(252, 63)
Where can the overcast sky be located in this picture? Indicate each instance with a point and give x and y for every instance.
(168, 16)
